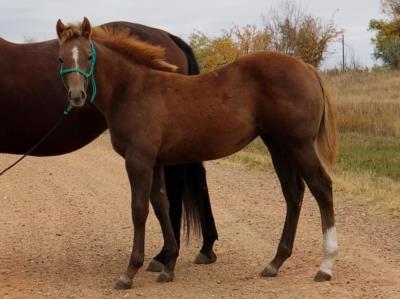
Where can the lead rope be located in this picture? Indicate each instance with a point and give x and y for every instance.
(65, 113)
(69, 108)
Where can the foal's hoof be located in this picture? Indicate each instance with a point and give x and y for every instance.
(165, 276)
(269, 271)
(322, 276)
(155, 266)
(123, 283)
(204, 259)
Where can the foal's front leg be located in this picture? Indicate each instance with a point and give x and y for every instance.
(140, 173)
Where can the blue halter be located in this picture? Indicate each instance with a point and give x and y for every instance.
(88, 75)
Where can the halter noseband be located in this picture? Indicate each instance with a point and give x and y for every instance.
(84, 74)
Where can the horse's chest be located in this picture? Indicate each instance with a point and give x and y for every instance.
(118, 144)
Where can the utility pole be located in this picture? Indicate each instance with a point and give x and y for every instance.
(343, 62)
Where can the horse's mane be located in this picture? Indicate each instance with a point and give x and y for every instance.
(124, 43)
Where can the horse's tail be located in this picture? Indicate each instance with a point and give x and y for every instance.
(194, 197)
(195, 184)
(327, 136)
(191, 59)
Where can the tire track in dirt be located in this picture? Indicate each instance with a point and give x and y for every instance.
(65, 232)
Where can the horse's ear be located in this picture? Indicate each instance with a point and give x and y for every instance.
(60, 28)
(86, 28)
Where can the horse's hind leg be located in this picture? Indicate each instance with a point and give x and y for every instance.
(196, 199)
(208, 229)
(174, 181)
(293, 190)
(147, 182)
(161, 206)
(320, 186)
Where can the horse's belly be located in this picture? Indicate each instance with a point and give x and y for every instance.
(210, 146)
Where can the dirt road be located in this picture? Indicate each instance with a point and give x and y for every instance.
(65, 232)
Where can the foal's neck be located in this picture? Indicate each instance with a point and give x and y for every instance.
(116, 77)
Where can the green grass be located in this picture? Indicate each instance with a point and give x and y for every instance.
(367, 170)
(379, 156)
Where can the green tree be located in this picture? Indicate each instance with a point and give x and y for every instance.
(387, 34)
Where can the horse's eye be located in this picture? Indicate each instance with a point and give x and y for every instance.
(90, 57)
(60, 60)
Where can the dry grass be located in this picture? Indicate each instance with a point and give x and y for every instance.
(368, 115)
(380, 194)
(367, 103)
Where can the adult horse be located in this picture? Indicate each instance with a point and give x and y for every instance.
(31, 101)
(151, 122)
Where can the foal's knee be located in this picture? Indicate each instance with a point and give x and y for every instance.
(140, 212)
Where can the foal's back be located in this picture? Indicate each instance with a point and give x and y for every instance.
(288, 94)
(263, 92)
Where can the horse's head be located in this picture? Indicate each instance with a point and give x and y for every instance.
(77, 57)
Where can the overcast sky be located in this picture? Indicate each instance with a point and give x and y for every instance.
(21, 19)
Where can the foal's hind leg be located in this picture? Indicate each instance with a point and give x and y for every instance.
(320, 186)
(293, 190)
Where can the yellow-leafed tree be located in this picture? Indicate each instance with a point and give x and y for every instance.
(286, 29)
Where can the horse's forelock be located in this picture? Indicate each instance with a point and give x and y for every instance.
(72, 30)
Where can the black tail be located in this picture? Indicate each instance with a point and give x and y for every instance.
(193, 66)
(195, 194)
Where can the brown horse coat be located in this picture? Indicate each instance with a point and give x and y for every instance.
(158, 118)
(32, 100)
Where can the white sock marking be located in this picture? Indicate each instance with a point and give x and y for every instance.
(330, 250)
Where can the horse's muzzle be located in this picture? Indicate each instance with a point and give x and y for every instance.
(77, 98)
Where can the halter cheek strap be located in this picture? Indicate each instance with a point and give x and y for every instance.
(88, 75)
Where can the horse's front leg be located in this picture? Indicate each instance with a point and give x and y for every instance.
(140, 173)
(160, 205)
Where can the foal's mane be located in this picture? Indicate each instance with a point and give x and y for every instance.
(124, 43)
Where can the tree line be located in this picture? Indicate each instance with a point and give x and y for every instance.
(287, 28)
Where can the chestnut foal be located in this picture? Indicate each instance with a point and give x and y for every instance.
(158, 118)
